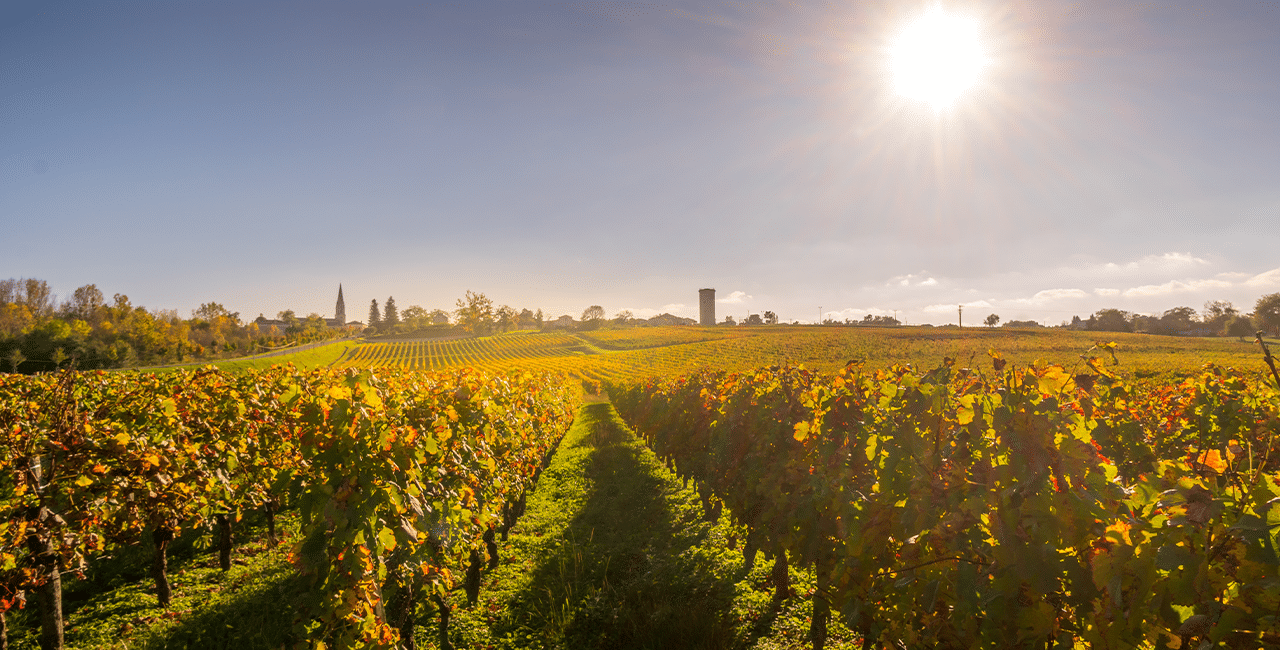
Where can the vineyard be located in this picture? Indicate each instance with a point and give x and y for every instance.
(1012, 508)
(634, 354)
(402, 480)
(906, 488)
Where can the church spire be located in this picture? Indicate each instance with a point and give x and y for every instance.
(340, 311)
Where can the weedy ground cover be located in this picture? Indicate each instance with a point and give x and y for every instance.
(250, 606)
(614, 552)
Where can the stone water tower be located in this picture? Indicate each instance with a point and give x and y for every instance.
(707, 307)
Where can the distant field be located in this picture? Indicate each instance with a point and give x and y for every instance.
(313, 357)
(637, 353)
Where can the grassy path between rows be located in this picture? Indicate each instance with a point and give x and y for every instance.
(614, 552)
(611, 552)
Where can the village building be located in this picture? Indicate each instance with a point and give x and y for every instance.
(339, 317)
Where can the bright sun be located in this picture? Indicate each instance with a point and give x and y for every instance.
(937, 58)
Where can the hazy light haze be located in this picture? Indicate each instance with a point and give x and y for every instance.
(557, 155)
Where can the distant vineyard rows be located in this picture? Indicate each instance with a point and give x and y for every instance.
(633, 354)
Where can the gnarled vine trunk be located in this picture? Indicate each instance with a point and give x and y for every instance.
(224, 542)
(445, 612)
(821, 605)
(270, 508)
(781, 579)
(162, 535)
(49, 593)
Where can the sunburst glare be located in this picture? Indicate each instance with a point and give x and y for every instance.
(937, 57)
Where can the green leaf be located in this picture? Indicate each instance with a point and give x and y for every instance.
(1171, 557)
(386, 539)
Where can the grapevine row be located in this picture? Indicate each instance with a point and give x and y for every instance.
(402, 479)
(1030, 509)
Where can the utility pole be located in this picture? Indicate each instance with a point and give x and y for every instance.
(961, 317)
(819, 314)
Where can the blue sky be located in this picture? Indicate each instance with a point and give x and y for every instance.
(557, 155)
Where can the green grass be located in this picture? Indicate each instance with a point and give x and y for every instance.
(614, 552)
(317, 357)
(250, 606)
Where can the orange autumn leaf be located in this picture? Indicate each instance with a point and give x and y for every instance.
(1213, 460)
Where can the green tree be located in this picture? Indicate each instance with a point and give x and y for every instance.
(416, 317)
(15, 359)
(475, 313)
(1178, 320)
(1237, 326)
(390, 316)
(538, 318)
(1266, 313)
(292, 325)
(592, 317)
(1110, 320)
(770, 318)
(38, 297)
(86, 301)
(1216, 313)
(991, 320)
(506, 318)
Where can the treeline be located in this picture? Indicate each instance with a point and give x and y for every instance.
(477, 314)
(38, 333)
(1218, 318)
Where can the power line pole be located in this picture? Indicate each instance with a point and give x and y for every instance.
(819, 314)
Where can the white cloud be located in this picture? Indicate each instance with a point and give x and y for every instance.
(1174, 286)
(1107, 292)
(1158, 263)
(1051, 295)
(912, 280)
(1268, 279)
(735, 298)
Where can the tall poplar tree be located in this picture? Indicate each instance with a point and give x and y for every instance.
(390, 316)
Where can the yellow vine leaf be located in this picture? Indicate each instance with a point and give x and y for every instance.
(802, 431)
(1053, 379)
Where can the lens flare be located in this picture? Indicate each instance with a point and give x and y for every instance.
(936, 58)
